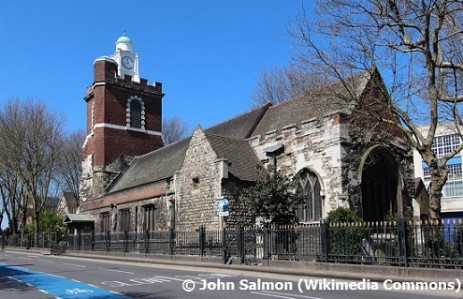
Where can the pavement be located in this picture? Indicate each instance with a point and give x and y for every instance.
(297, 268)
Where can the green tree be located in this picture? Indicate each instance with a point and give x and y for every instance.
(51, 222)
(273, 197)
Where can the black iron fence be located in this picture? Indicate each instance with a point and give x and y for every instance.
(418, 244)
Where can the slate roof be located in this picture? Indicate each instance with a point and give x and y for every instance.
(241, 157)
(157, 165)
(241, 126)
(322, 101)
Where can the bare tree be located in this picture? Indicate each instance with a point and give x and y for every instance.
(417, 46)
(14, 201)
(70, 167)
(174, 129)
(281, 84)
(29, 154)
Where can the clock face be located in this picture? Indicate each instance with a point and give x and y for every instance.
(127, 62)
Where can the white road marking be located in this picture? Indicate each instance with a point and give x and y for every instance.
(169, 278)
(70, 264)
(272, 295)
(14, 278)
(45, 292)
(119, 271)
(300, 296)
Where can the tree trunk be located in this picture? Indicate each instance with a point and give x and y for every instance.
(439, 174)
(435, 196)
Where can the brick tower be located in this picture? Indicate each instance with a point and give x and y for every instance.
(124, 115)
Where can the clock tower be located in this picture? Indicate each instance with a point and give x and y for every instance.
(127, 61)
(124, 118)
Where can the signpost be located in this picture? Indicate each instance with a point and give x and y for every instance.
(223, 206)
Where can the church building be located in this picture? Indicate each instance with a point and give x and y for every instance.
(132, 182)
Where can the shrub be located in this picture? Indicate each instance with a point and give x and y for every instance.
(345, 234)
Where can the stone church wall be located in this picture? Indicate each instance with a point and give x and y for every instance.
(316, 145)
(198, 186)
(238, 212)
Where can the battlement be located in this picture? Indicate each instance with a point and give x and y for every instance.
(128, 82)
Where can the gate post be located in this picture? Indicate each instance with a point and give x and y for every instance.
(224, 246)
(92, 241)
(202, 239)
(171, 240)
(108, 241)
(79, 240)
(324, 241)
(240, 242)
(402, 233)
(126, 241)
(146, 237)
(266, 241)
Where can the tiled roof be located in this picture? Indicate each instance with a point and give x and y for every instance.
(241, 157)
(241, 126)
(327, 99)
(154, 166)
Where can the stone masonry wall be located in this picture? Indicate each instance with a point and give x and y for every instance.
(198, 186)
(238, 212)
(315, 146)
(355, 147)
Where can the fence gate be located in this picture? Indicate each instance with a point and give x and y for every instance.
(252, 239)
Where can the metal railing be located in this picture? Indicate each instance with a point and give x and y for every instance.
(417, 244)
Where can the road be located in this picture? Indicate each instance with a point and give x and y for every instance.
(36, 276)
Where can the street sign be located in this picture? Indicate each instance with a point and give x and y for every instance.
(223, 206)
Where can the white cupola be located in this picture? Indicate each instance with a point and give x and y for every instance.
(124, 43)
(127, 61)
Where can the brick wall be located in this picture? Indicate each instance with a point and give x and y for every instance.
(107, 106)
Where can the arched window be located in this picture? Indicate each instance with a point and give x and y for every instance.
(312, 208)
(135, 113)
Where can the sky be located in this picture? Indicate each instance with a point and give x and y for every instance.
(208, 54)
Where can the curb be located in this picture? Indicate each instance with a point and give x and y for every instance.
(375, 273)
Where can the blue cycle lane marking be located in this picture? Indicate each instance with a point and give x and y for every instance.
(57, 286)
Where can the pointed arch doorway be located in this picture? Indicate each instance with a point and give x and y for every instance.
(380, 185)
